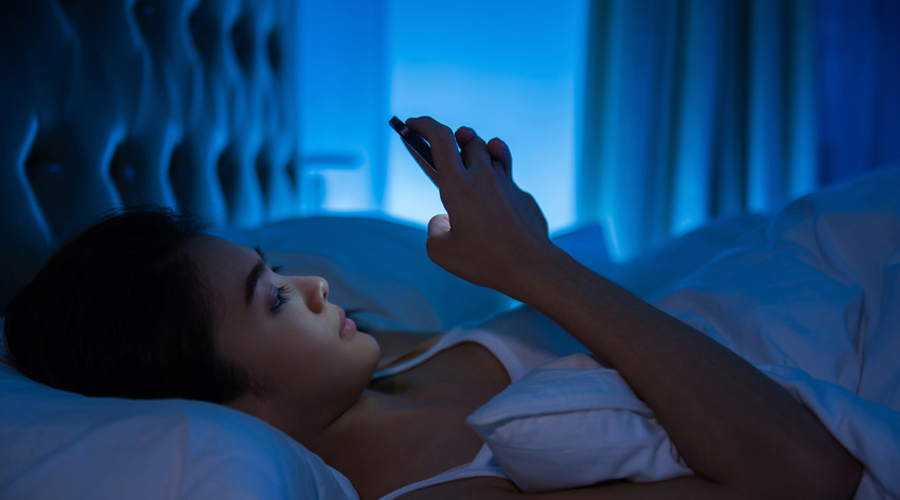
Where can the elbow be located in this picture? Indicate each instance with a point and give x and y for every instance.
(829, 475)
(842, 476)
(816, 473)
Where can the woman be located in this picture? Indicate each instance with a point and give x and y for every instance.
(208, 319)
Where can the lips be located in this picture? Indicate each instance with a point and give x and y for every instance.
(347, 325)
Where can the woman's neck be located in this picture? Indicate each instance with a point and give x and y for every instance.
(412, 425)
(385, 441)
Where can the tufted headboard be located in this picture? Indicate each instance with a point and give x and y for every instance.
(110, 103)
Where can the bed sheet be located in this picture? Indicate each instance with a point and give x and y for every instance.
(819, 299)
(811, 295)
(377, 270)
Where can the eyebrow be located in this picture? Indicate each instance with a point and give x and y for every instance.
(253, 277)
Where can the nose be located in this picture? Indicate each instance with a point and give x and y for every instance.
(315, 292)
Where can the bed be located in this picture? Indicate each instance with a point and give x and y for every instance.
(191, 104)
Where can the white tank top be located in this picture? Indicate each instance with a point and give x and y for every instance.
(522, 339)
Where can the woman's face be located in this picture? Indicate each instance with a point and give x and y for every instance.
(308, 360)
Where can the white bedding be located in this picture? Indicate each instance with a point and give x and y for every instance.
(55, 444)
(814, 290)
(377, 268)
(811, 296)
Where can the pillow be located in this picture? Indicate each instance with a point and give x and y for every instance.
(377, 269)
(55, 444)
(573, 423)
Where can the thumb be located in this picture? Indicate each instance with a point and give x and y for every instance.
(438, 234)
(439, 227)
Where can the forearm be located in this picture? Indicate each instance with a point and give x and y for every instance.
(729, 421)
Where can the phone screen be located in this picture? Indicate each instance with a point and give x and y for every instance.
(415, 141)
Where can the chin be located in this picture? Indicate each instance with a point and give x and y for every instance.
(376, 350)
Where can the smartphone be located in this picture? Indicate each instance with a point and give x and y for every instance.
(415, 141)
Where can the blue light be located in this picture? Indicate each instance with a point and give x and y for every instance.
(507, 68)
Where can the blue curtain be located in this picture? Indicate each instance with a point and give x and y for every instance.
(696, 109)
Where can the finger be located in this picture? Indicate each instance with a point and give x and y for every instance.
(438, 232)
(443, 144)
(430, 172)
(500, 156)
(439, 226)
(536, 210)
(472, 149)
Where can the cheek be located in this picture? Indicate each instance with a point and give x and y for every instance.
(253, 346)
(302, 353)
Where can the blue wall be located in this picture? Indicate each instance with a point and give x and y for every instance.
(508, 68)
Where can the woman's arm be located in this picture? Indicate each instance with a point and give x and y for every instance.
(741, 433)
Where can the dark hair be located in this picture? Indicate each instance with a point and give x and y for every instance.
(122, 310)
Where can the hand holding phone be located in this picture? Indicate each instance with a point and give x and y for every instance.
(489, 223)
(414, 140)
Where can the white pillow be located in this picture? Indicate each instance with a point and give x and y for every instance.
(375, 266)
(574, 423)
(55, 444)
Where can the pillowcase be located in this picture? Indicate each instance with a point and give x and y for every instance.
(55, 444)
(573, 423)
(377, 270)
